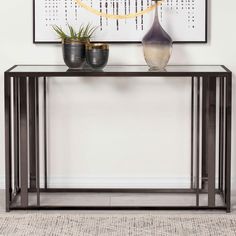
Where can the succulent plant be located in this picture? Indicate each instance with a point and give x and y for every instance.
(84, 33)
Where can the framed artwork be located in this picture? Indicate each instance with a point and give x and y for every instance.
(121, 21)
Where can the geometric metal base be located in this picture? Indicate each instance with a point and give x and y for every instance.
(50, 194)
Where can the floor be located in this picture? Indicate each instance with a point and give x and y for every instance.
(119, 199)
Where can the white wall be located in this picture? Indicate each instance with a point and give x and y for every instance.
(126, 132)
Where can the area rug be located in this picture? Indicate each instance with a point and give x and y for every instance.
(117, 224)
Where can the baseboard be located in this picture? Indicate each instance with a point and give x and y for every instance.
(111, 182)
(2, 182)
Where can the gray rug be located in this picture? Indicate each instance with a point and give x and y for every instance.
(117, 224)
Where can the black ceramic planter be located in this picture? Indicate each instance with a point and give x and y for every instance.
(97, 55)
(74, 53)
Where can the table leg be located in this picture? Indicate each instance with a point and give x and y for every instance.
(192, 133)
(221, 131)
(23, 142)
(198, 142)
(8, 140)
(32, 144)
(209, 136)
(204, 135)
(36, 102)
(16, 133)
(211, 148)
(228, 119)
(45, 131)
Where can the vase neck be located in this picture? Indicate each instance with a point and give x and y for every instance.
(156, 17)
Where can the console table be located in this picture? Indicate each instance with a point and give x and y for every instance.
(211, 93)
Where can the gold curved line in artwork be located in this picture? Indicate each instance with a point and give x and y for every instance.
(117, 17)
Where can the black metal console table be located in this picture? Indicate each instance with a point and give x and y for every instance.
(211, 111)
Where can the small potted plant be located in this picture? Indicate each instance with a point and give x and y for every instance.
(74, 44)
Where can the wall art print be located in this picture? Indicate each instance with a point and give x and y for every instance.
(122, 20)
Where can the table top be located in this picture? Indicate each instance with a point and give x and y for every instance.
(118, 70)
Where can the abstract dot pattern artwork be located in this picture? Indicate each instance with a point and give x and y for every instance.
(120, 20)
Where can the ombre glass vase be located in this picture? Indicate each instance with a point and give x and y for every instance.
(157, 45)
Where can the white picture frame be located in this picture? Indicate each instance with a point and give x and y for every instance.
(184, 20)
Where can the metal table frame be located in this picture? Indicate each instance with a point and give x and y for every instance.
(22, 134)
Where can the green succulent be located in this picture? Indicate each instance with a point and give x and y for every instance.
(62, 35)
(84, 33)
